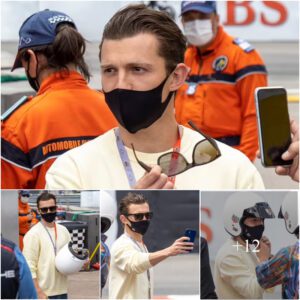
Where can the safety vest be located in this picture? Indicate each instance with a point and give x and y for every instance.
(65, 114)
(218, 95)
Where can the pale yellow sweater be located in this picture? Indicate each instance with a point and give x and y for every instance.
(39, 253)
(97, 165)
(128, 271)
(234, 275)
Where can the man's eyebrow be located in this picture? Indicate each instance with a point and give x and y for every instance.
(104, 66)
(129, 65)
(140, 64)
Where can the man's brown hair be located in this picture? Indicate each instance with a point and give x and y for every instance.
(131, 198)
(67, 48)
(136, 19)
(45, 196)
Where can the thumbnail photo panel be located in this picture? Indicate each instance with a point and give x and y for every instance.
(149, 244)
(57, 231)
(249, 245)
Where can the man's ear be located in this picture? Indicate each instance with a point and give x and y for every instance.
(216, 22)
(179, 76)
(218, 18)
(123, 219)
(30, 63)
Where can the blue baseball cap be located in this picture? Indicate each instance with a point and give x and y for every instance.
(24, 193)
(205, 7)
(40, 29)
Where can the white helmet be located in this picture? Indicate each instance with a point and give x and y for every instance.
(108, 210)
(69, 260)
(289, 212)
(241, 205)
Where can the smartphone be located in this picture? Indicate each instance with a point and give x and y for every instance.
(191, 233)
(273, 125)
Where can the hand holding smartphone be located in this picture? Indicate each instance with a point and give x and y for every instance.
(273, 125)
(190, 233)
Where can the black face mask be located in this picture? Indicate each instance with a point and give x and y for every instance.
(252, 233)
(136, 110)
(32, 80)
(140, 227)
(49, 217)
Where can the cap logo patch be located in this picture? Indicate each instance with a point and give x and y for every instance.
(192, 2)
(24, 40)
(235, 219)
(59, 18)
(286, 215)
(234, 228)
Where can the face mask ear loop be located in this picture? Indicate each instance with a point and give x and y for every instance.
(34, 80)
(128, 224)
(171, 93)
(242, 225)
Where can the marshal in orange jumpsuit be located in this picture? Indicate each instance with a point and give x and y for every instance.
(218, 95)
(27, 218)
(65, 114)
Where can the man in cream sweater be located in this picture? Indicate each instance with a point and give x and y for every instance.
(131, 275)
(141, 70)
(235, 276)
(41, 244)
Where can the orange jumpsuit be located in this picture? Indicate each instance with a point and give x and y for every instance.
(65, 114)
(24, 223)
(218, 95)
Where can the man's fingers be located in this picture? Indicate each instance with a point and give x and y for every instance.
(183, 238)
(292, 151)
(154, 180)
(282, 171)
(183, 249)
(258, 154)
(160, 182)
(186, 248)
(264, 238)
(163, 183)
(149, 178)
(295, 130)
(185, 244)
(266, 241)
(168, 186)
(153, 175)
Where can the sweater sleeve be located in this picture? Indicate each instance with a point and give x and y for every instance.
(31, 252)
(63, 174)
(238, 275)
(130, 260)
